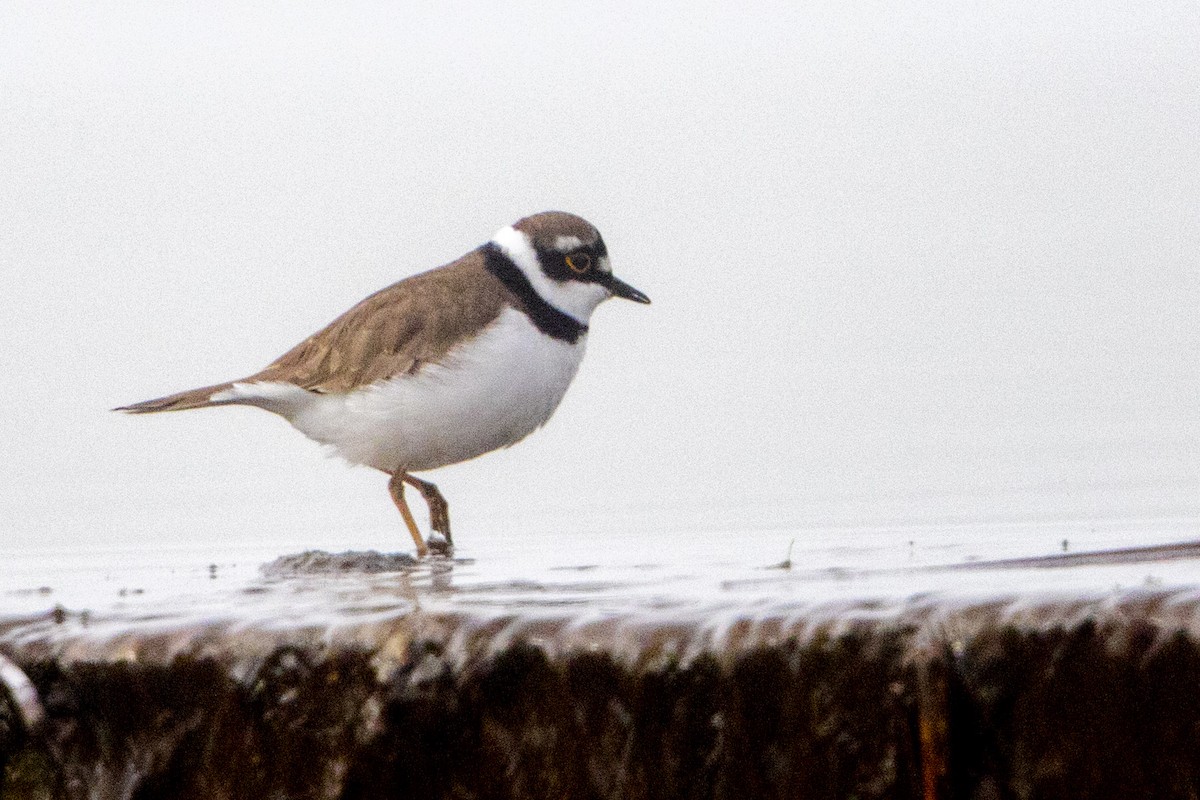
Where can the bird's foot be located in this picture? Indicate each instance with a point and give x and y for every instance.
(439, 546)
(439, 509)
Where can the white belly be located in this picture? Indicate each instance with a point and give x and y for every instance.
(489, 393)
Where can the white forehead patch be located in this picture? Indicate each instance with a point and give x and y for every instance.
(575, 298)
(565, 244)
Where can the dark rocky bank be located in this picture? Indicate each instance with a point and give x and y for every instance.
(1010, 698)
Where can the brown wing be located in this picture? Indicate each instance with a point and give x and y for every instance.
(396, 330)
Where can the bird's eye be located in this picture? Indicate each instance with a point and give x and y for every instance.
(579, 262)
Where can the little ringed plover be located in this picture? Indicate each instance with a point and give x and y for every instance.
(443, 366)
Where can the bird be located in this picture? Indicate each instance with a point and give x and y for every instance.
(442, 366)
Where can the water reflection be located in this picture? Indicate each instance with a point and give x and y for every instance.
(109, 589)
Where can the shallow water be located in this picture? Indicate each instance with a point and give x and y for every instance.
(584, 576)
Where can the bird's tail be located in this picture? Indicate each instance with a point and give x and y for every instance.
(193, 398)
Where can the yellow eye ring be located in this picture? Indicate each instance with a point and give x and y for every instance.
(579, 262)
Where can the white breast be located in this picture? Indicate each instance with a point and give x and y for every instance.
(490, 392)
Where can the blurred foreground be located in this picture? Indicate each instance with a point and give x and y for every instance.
(970, 669)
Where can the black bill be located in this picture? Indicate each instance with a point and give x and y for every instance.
(620, 288)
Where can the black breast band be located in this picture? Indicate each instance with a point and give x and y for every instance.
(548, 319)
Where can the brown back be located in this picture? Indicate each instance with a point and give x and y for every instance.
(396, 330)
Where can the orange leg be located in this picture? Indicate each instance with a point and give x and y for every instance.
(396, 488)
(439, 509)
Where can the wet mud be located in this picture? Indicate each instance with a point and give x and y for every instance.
(1027, 695)
(320, 562)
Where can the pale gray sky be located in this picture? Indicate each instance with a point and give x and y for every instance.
(909, 262)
